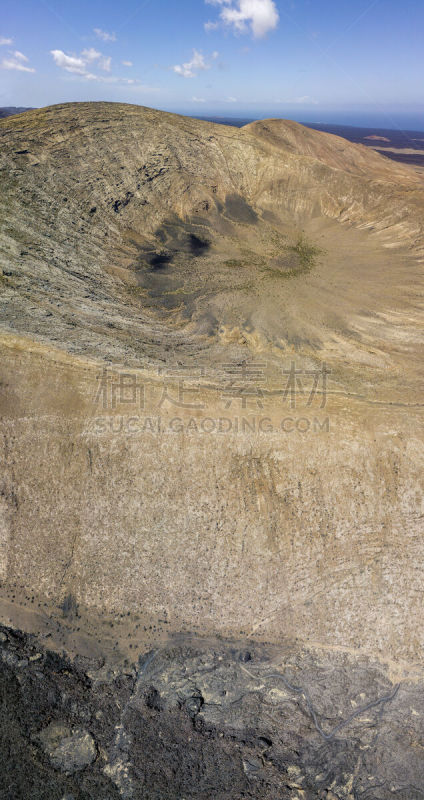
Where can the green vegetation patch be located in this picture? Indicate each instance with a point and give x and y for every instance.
(301, 258)
(306, 252)
(235, 262)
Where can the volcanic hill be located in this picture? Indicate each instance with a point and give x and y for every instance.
(212, 447)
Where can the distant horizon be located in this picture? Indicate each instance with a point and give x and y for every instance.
(395, 121)
(408, 121)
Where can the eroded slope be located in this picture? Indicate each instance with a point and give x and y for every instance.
(219, 274)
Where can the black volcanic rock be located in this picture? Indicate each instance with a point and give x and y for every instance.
(192, 721)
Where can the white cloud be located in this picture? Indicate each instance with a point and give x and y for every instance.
(306, 100)
(78, 65)
(90, 55)
(260, 16)
(127, 63)
(104, 35)
(211, 26)
(4, 41)
(15, 63)
(74, 64)
(20, 56)
(198, 100)
(135, 82)
(191, 68)
(231, 99)
(82, 65)
(104, 63)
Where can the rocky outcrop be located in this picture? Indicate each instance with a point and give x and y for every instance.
(69, 749)
(201, 719)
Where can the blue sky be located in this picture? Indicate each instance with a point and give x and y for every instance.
(234, 57)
